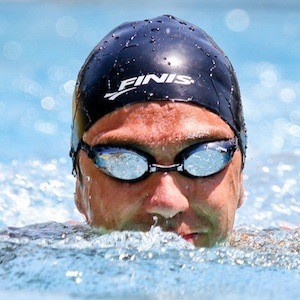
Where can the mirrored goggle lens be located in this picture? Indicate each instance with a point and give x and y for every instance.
(121, 163)
(199, 160)
(205, 162)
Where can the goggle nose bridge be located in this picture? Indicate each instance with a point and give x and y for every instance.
(162, 168)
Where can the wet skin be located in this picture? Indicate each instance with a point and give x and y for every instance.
(201, 210)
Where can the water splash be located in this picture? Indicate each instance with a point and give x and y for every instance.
(78, 259)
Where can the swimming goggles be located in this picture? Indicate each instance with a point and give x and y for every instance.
(130, 164)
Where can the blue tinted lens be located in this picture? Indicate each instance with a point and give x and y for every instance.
(208, 159)
(206, 162)
(121, 163)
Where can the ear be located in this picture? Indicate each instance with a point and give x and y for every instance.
(242, 192)
(79, 196)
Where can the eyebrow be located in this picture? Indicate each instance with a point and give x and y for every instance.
(185, 141)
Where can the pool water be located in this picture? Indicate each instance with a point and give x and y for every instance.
(78, 261)
(43, 46)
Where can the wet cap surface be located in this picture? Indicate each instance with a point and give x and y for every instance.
(159, 59)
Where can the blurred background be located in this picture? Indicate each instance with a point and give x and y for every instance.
(44, 43)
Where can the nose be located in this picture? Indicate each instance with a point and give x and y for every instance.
(165, 197)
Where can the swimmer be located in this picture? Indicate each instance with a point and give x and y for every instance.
(158, 134)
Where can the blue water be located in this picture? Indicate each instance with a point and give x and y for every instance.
(42, 46)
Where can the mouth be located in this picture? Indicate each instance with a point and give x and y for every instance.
(196, 238)
(191, 236)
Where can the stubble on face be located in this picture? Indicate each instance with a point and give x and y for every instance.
(163, 130)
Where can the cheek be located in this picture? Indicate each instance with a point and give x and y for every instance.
(217, 195)
(111, 202)
(104, 195)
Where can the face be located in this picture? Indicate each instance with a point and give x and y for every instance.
(201, 210)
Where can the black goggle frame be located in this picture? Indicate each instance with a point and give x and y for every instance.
(228, 146)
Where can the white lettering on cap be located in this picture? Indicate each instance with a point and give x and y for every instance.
(133, 82)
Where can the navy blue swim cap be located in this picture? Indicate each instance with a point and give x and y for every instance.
(158, 59)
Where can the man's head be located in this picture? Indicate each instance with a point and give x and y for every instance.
(158, 132)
